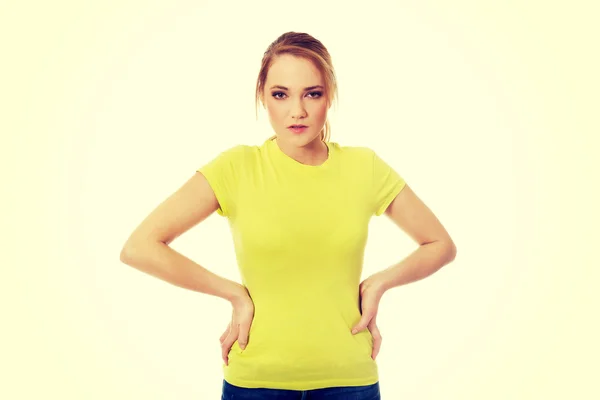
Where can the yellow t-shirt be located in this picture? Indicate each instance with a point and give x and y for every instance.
(299, 234)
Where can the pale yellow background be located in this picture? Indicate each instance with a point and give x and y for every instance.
(489, 110)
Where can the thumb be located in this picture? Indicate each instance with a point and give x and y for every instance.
(362, 324)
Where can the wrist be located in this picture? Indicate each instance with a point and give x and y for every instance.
(237, 293)
(384, 281)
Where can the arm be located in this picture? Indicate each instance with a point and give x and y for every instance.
(436, 248)
(147, 249)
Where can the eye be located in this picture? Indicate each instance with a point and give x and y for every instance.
(314, 95)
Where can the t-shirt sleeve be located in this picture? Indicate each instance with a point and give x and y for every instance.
(222, 173)
(386, 184)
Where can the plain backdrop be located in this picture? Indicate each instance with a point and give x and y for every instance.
(489, 110)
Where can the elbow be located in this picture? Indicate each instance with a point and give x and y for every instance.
(125, 256)
(450, 251)
(132, 250)
(128, 252)
(446, 251)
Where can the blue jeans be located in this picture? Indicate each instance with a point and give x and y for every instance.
(368, 392)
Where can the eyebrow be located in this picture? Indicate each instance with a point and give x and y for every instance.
(306, 88)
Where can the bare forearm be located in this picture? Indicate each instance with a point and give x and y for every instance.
(161, 261)
(424, 261)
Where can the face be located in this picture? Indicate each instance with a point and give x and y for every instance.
(294, 93)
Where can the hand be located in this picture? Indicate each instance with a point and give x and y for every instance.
(371, 290)
(239, 326)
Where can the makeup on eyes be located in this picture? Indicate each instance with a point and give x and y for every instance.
(318, 93)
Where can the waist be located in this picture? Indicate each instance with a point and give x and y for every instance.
(303, 348)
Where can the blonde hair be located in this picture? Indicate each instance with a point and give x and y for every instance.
(305, 46)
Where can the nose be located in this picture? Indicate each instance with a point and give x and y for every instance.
(298, 110)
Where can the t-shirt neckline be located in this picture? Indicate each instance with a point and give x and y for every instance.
(296, 164)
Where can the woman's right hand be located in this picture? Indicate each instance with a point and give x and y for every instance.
(239, 326)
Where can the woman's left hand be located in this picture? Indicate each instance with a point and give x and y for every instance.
(370, 292)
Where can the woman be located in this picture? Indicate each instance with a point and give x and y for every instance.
(298, 207)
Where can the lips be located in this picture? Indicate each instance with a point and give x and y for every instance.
(297, 126)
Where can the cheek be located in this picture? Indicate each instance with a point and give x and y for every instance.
(320, 111)
(274, 111)
(275, 107)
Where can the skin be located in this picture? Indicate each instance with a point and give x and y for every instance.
(297, 106)
(436, 249)
(294, 93)
(148, 250)
(407, 211)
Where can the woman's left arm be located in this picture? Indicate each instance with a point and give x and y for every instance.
(435, 250)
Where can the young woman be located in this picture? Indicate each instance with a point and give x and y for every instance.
(298, 207)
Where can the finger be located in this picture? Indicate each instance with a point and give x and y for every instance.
(225, 349)
(377, 339)
(225, 352)
(243, 335)
(226, 346)
(224, 335)
(225, 356)
(362, 324)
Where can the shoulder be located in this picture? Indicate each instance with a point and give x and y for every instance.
(231, 159)
(238, 150)
(353, 151)
(239, 153)
(355, 154)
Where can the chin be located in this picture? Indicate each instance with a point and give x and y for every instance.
(303, 139)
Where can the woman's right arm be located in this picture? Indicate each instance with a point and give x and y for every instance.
(147, 248)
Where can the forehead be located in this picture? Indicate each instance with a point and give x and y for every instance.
(293, 72)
